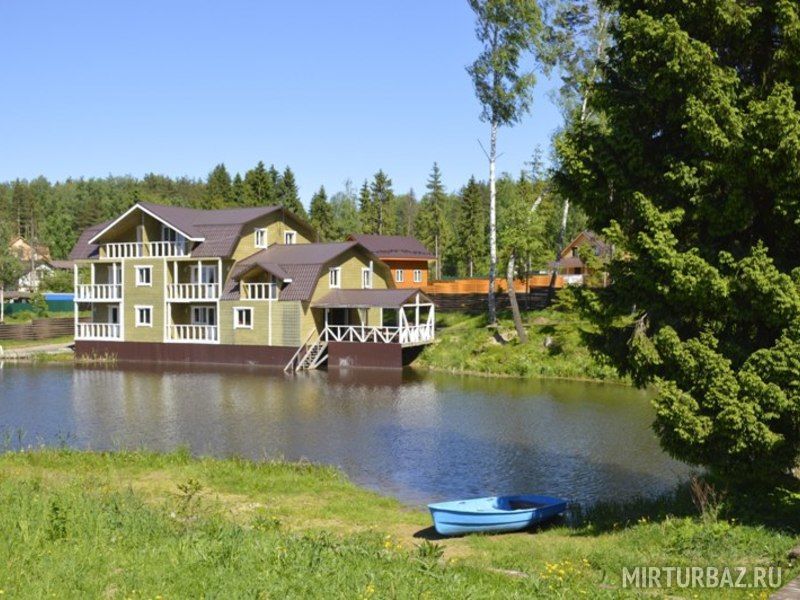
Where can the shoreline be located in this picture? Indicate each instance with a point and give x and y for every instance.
(82, 522)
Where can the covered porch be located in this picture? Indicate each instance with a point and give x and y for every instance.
(405, 317)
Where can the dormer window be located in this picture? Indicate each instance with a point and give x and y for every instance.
(334, 277)
(289, 237)
(261, 238)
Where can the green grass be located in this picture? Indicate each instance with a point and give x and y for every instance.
(16, 344)
(143, 525)
(556, 347)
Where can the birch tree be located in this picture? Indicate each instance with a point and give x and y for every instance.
(508, 31)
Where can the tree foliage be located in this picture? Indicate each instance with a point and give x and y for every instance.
(694, 170)
(321, 215)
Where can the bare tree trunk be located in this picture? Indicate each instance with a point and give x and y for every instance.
(492, 225)
(470, 267)
(512, 296)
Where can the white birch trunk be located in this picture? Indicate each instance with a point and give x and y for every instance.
(492, 224)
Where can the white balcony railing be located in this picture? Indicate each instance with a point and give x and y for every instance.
(260, 291)
(98, 292)
(193, 334)
(408, 335)
(193, 291)
(98, 331)
(118, 250)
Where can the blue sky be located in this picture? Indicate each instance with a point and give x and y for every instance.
(336, 90)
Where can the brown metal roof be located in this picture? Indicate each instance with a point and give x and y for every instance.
(304, 282)
(83, 249)
(258, 260)
(393, 246)
(368, 298)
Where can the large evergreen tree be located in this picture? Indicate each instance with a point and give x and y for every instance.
(219, 189)
(471, 228)
(345, 213)
(432, 226)
(259, 187)
(288, 196)
(382, 198)
(694, 170)
(367, 210)
(321, 215)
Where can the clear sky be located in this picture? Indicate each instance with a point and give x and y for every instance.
(335, 89)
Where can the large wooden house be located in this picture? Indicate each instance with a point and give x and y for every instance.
(408, 259)
(245, 285)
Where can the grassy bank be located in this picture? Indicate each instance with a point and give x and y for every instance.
(556, 347)
(19, 344)
(140, 525)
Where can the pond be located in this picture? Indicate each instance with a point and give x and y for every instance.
(418, 436)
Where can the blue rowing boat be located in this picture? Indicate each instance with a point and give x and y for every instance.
(494, 514)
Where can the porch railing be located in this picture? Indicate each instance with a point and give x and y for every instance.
(98, 331)
(193, 291)
(411, 334)
(98, 292)
(144, 249)
(260, 291)
(193, 334)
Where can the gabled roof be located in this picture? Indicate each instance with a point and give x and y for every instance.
(367, 298)
(592, 239)
(393, 246)
(217, 231)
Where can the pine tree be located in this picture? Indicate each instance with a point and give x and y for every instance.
(259, 186)
(367, 211)
(471, 227)
(382, 198)
(287, 194)
(321, 215)
(219, 190)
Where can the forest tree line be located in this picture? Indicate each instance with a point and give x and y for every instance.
(452, 224)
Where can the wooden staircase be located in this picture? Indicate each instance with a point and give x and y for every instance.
(315, 354)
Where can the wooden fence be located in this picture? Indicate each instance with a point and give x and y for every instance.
(39, 329)
(538, 298)
(480, 285)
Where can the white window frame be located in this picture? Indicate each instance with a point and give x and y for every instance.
(417, 275)
(288, 235)
(139, 282)
(236, 311)
(137, 315)
(399, 276)
(338, 277)
(205, 310)
(366, 278)
(201, 274)
(263, 232)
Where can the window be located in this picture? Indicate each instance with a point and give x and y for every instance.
(144, 316)
(144, 276)
(204, 315)
(398, 275)
(334, 277)
(417, 275)
(168, 234)
(242, 318)
(203, 274)
(261, 238)
(366, 278)
(289, 237)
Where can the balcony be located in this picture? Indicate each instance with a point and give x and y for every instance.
(101, 292)
(260, 291)
(98, 331)
(177, 292)
(117, 250)
(193, 334)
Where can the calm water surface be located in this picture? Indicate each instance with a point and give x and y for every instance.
(420, 437)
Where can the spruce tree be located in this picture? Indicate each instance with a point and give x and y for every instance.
(471, 227)
(219, 190)
(259, 187)
(382, 198)
(237, 190)
(321, 215)
(367, 211)
(287, 194)
(432, 225)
